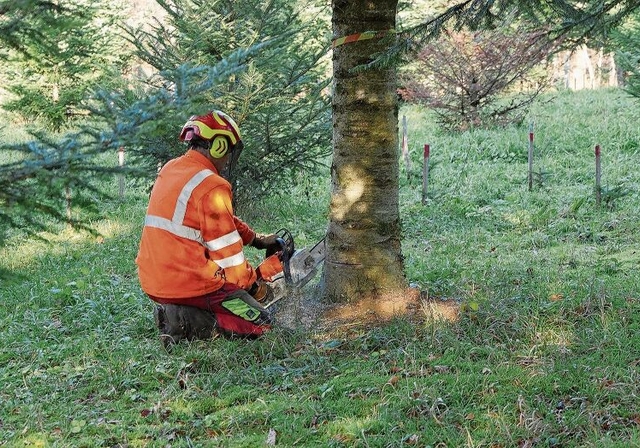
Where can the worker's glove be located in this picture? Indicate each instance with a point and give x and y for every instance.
(268, 242)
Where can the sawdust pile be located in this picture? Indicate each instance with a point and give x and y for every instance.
(303, 311)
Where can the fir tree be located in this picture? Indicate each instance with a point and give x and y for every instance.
(53, 55)
(626, 43)
(274, 85)
(64, 52)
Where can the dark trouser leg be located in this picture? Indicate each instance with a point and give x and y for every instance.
(177, 322)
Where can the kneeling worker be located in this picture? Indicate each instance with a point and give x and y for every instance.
(191, 260)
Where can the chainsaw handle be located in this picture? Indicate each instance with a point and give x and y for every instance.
(285, 260)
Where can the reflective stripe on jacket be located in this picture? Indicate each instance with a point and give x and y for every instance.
(191, 241)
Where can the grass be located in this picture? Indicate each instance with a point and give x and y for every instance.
(544, 351)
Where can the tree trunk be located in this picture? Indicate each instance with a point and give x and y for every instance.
(364, 256)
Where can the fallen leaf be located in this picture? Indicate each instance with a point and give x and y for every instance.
(556, 297)
(607, 383)
(393, 380)
(271, 437)
(212, 433)
(412, 439)
(342, 438)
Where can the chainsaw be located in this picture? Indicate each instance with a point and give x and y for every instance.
(289, 269)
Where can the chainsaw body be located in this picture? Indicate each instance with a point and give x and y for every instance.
(290, 268)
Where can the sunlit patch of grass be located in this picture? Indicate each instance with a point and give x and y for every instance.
(19, 254)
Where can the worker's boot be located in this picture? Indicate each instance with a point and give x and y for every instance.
(177, 322)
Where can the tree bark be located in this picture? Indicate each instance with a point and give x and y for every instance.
(364, 256)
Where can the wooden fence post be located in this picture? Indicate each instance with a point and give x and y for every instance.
(121, 176)
(67, 195)
(530, 156)
(425, 174)
(598, 177)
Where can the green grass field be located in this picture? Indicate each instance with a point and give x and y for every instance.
(544, 350)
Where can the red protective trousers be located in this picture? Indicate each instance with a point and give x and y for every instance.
(235, 311)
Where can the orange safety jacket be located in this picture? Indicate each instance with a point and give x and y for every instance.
(191, 241)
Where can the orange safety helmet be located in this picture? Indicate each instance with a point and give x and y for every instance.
(217, 129)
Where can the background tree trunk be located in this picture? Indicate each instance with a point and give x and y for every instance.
(364, 256)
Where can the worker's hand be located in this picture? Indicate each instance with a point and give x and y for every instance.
(266, 242)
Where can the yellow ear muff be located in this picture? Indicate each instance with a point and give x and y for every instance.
(219, 147)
